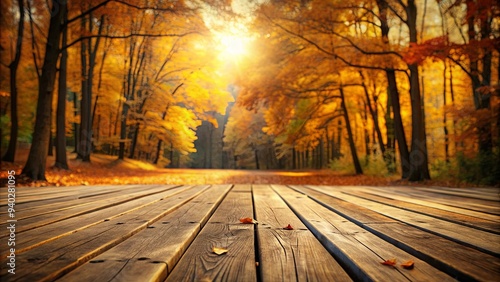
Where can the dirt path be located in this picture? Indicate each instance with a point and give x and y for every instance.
(106, 169)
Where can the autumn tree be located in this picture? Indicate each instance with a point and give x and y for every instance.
(471, 43)
(13, 67)
(36, 163)
(332, 34)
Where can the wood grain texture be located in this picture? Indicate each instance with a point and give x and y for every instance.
(46, 233)
(457, 260)
(55, 215)
(148, 255)
(490, 207)
(56, 258)
(491, 196)
(358, 250)
(399, 194)
(289, 255)
(466, 220)
(40, 206)
(482, 240)
(158, 232)
(223, 230)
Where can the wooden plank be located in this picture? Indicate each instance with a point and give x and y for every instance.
(459, 261)
(78, 198)
(494, 197)
(359, 251)
(387, 199)
(471, 204)
(151, 253)
(33, 195)
(44, 234)
(49, 217)
(289, 255)
(50, 261)
(223, 230)
(482, 240)
(414, 200)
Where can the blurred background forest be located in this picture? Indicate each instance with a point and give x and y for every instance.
(378, 87)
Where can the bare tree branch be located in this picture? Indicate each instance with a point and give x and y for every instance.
(332, 54)
(130, 35)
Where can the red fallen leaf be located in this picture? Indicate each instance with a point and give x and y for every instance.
(219, 251)
(288, 227)
(248, 220)
(391, 262)
(408, 265)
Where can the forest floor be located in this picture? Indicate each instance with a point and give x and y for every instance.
(107, 170)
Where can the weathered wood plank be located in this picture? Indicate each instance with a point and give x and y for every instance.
(289, 255)
(36, 221)
(223, 230)
(56, 258)
(38, 207)
(481, 195)
(454, 201)
(482, 240)
(358, 250)
(457, 260)
(151, 253)
(34, 237)
(394, 194)
(470, 221)
(33, 195)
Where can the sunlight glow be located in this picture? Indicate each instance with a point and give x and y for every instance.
(233, 46)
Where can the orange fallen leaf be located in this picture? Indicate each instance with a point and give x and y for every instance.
(391, 262)
(408, 265)
(248, 220)
(219, 251)
(288, 227)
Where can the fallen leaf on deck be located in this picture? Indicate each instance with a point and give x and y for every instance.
(391, 262)
(288, 227)
(408, 265)
(219, 251)
(248, 220)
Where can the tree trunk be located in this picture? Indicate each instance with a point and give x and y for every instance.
(256, 154)
(391, 138)
(158, 151)
(88, 54)
(134, 141)
(76, 126)
(394, 96)
(123, 131)
(9, 156)
(338, 150)
(355, 160)
(373, 113)
(452, 98)
(419, 169)
(51, 140)
(61, 158)
(36, 163)
(445, 121)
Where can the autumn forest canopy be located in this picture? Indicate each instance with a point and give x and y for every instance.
(367, 87)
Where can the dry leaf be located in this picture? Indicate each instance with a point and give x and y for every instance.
(219, 251)
(248, 220)
(408, 265)
(288, 227)
(391, 262)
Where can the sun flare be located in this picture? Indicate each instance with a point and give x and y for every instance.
(233, 45)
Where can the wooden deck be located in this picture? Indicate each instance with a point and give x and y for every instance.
(156, 233)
